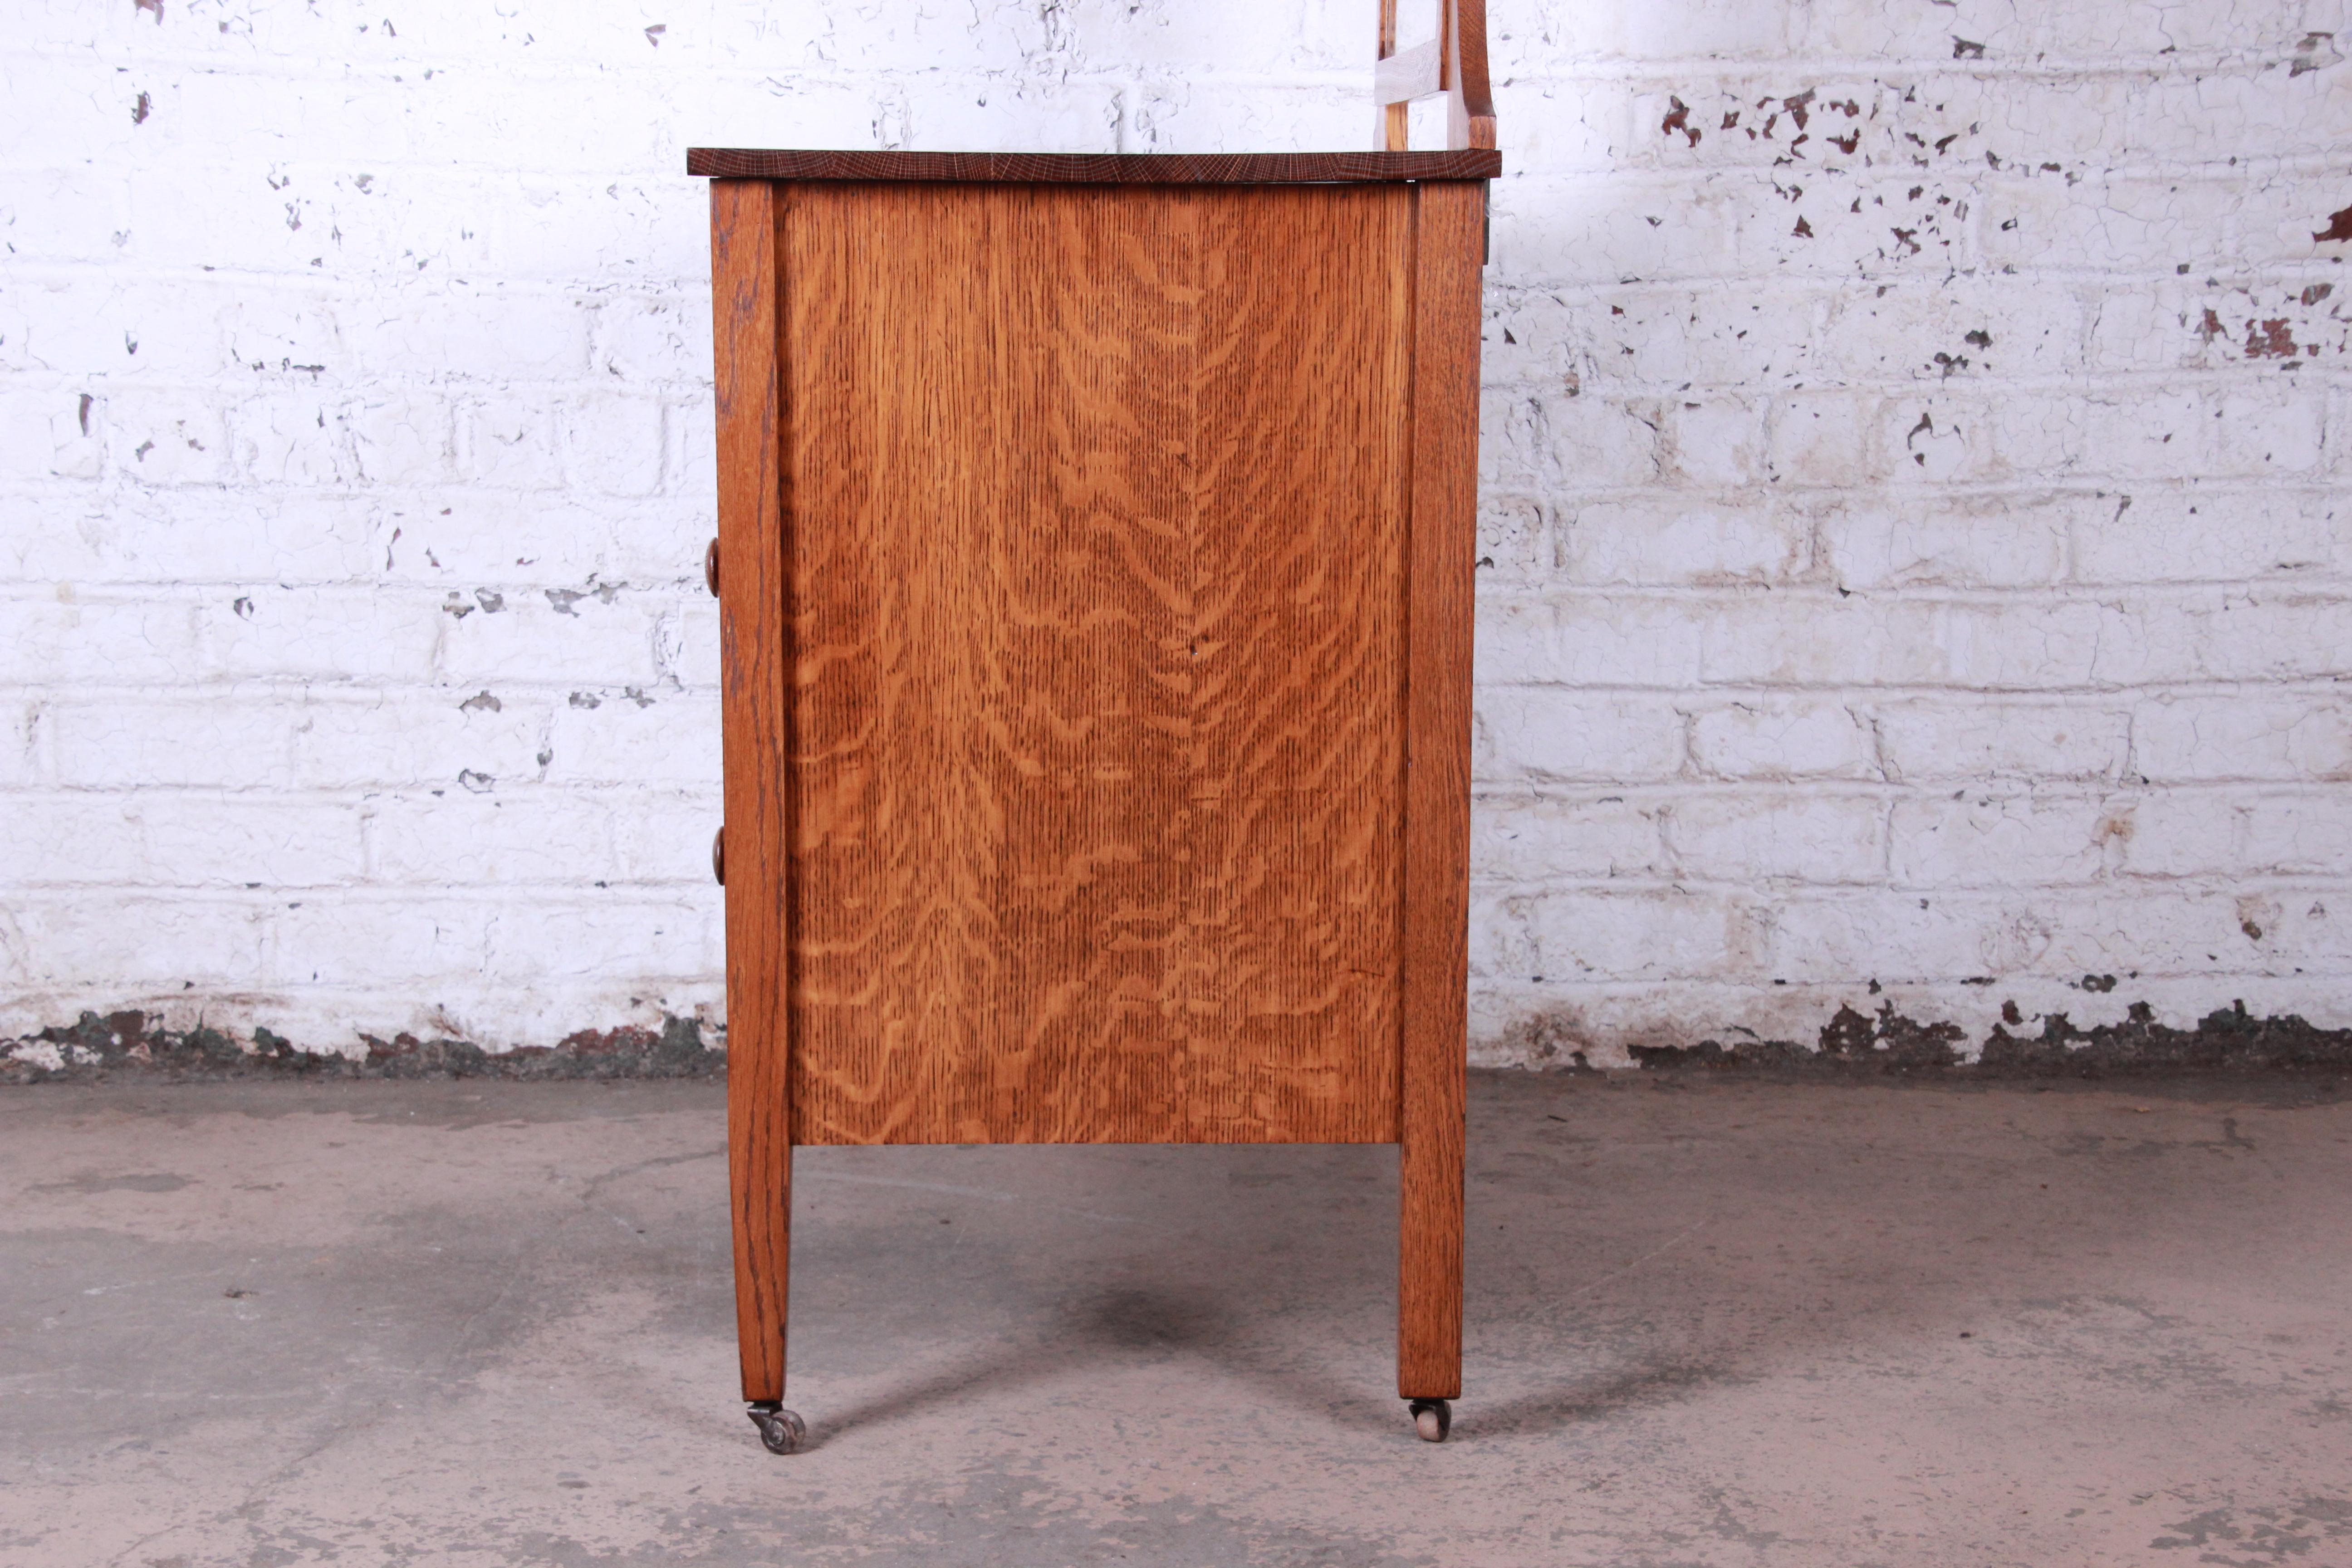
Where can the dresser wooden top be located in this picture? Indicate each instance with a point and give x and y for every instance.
(1096, 168)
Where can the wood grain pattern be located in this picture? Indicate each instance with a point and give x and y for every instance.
(1097, 585)
(754, 662)
(1389, 122)
(1451, 224)
(1100, 169)
(1470, 100)
(1454, 63)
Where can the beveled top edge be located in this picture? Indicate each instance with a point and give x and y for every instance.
(1096, 168)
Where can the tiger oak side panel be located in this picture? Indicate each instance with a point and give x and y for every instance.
(1096, 587)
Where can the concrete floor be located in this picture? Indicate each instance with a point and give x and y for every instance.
(1710, 1323)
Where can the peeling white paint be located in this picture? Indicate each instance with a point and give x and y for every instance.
(1915, 444)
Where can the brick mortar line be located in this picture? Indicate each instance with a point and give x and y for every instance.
(1988, 991)
(1932, 594)
(1502, 792)
(2069, 695)
(1493, 789)
(426, 888)
(1653, 155)
(2085, 385)
(1810, 590)
(661, 600)
(1501, 584)
(1915, 69)
(2055, 696)
(1513, 188)
(319, 283)
(2214, 884)
(2082, 386)
(397, 801)
(694, 290)
(1706, 283)
(2062, 485)
(1493, 792)
(460, 388)
(690, 891)
(578, 896)
(2076, 172)
(1644, 164)
(1649, 170)
(1820, 288)
(563, 68)
(272, 690)
(1499, 280)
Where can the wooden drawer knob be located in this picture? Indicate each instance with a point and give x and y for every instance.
(711, 568)
(719, 856)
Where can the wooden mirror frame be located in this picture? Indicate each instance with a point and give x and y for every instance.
(1452, 63)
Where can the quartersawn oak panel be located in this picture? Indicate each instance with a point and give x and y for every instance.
(1097, 562)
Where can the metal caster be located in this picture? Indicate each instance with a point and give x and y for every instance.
(779, 1429)
(1431, 1419)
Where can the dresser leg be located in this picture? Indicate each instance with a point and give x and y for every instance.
(1428, 1275)
(759, 1171)
(1450, 221)
(755, 657)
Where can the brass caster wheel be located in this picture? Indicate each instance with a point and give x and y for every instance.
(1431, 1419)
(779, 1429)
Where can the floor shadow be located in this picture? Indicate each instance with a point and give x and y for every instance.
(1550, 1410)
(1124, 1327)
(998, 1371)
(1106, 1327)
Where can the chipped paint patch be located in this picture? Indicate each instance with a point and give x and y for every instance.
(2228, 1039)
(132, 1043)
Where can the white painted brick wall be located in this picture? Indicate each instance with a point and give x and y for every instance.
(1915, 563)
